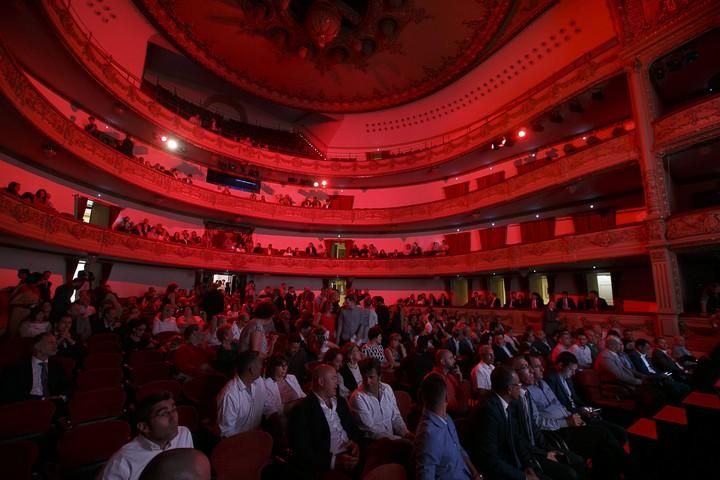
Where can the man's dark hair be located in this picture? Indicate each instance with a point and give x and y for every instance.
(294, 338)
(273, 362)
(501, 378)
(641, 343)
(331, 354)
(23, 271)
(566, 358)
(265, 310)
(422, 343)
(189, 330)
(369, 364)
(433, 390)
(245, 361)
(374, 332)
(351, 298)
(144, 408)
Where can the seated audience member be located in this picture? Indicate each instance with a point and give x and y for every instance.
(321, 430)
(663, 362)
(297, 356)
(459, 344)
(448, 369)
(192, 359)
(502, 350)
(38, 376)
(395, 353)
(91, 126)
(641, 362)
(374, 406)
(681, 354)
(564, 342)
(244, 400)
(581, 350)
(188, 318)
(226, 353)
(594, 302)
(350, 371)
(611, 368)
(135, 339)
(480, 374)
(69, 345)
(587, 440)
(158, 431)
(541, 346)
(283, 388)
(127, 146)
(334, 358)
(536, 301)
(107, 321)
(565, 303)
(556, 464)
(417, 365)
(13, 189)
(178, 464)
(437, 449)
(373, 348)
(497, 449)
(35, 324)
(561, 383)
(165, 321)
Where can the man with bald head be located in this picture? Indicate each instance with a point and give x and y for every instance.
(321, 429)
(178, 464)
(480, 374)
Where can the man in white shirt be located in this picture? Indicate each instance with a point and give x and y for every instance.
(374, 406)
(165, 321)
(582, 351)
(157, 424)
(480, 375)
(244, 400)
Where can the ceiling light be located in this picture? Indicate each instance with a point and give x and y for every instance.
(163, 138)
(584, 138)
(316, 184)
(491, 168)
(172, 144)
(456, 178)
(537, 215)
(339, 235)
(457, 229)
(324, 183)
(492, 224)
(594, 267)
(592, 206)
(522, 133)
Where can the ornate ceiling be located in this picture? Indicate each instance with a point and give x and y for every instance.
(341, 55)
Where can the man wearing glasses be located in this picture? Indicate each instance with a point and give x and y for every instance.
(158, 431)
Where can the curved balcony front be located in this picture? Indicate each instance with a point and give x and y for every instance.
(126, 88)
(40, 112)
(28, 222)
(696, 123)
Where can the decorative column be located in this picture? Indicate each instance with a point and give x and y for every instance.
(665, 270)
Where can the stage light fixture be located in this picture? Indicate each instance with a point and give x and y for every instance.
(537, 215)
(522, 133)
(172, 144)
(316, 184)
(163, 138)
(324, 183)
(592, 206)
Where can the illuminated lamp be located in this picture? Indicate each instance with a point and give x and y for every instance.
(172, 144)
(522, 133)
(316, 184)
(324, 183)
(163, 138)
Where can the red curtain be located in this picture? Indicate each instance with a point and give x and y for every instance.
(458, 242)
(538, 230)
(493, 237)
(342, 202)
(593, 222)
(457, 190)
(492, 179)
(80, 206)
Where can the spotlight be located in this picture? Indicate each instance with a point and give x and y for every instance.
(457, 229)
(163, 138)
(316, 184)
(592, 206)
(537, 215)
(324, 183)
(492, 224)
(522, 133)
(172, 144)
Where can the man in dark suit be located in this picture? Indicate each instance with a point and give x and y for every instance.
(560, 381)
(37, 377)
(494, 301)
(564, 302)
(664, 362)
(641, 362)
(594, 302)
(107, 322)
(321, 430)
(503, 350)
(497, 448)
(541, 346)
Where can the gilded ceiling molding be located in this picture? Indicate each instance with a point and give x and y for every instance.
(29, 222)
(588, 71)
(693, 124)
(40, 112)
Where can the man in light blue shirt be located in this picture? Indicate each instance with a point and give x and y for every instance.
(438, 453)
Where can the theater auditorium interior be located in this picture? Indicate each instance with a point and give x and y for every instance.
(359, 239)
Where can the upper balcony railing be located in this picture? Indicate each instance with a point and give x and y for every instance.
(565, 84)
(39, 111)
(29, 222)
(694, 123)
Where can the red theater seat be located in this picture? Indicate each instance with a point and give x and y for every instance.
(91, 444)
(189, 417)
(390, 471)
(96, 405)
(102, 338)
(104, 347)
(26, 419)
(149, 373)
(202, 392)
(145, 357)
(404, 403)
(17, 460)
(68, 365)
(99, 378)
(242, 456)
(150, 388)
(102, 360)
(599, 395)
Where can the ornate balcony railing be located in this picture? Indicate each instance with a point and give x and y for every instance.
(26, 221)
(693, 124)
(39, 111)
(699, 227)
(121, 83)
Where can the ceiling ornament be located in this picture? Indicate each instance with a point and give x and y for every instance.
(340, 55)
